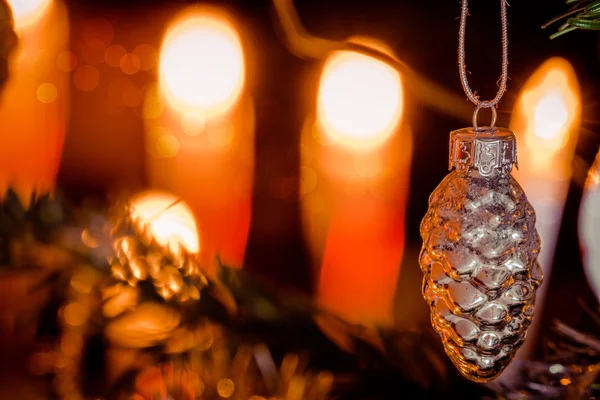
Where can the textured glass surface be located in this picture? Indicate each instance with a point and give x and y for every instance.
(589, 227)
(479, 257)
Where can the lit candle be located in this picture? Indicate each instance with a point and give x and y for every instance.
(354, 186)
(546, 121)
(34, 101)
(200, 128)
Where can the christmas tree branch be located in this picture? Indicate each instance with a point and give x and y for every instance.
(587, 17)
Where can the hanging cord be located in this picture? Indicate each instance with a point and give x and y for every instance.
(463, 69)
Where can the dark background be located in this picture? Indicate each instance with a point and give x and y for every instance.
(424, 35)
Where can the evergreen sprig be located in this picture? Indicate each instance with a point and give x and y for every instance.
(584, 14)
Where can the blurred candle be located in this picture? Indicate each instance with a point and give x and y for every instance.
(354, 185)
(546, 121)
(200, 128)
(33, 104)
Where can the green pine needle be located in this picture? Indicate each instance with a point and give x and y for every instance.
(586, 16)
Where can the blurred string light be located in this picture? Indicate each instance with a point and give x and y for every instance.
(47, 92)
(147, 55)
(66, 61)
(113, 55)
(202, 65)
(546, 122)
(27, 12)
(98, 31)
(130, 64)
(360, 100)
(551, 106)
(86, 78)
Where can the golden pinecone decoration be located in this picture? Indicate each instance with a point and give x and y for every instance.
(173, 271)
(479, 256)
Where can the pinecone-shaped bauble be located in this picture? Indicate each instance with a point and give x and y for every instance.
(589, 227)
(172, 270)
(479, 255)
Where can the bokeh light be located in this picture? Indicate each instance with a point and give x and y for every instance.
(93, 51)
(147, 55)
(167, 145)
(221, 134)
(26, 12)
(152, 136)
(130, 64)
(172, 223)
(547, 112)
(202, 65)
(551, 104)
(132, 96)
(47, 92)
(86, 78)
(116, 88)
(225, 388)
(97, 30)
(360, 100)
(66, 61)
(193, 124)
(113, 55)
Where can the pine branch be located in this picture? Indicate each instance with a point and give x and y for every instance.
(587, 17)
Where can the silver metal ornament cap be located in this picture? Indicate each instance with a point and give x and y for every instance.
(485, 151)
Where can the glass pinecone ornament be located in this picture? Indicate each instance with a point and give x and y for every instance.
(174, 273)
(479, 255)
(589, 227)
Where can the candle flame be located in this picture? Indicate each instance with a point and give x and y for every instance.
(547, 111)
(171, 222)
(202, 65)
(360, 100)
(26, 12)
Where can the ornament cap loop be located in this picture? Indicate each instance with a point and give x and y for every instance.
(485, 104)
(485, 151)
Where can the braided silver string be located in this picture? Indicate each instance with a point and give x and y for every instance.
(461, 57)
